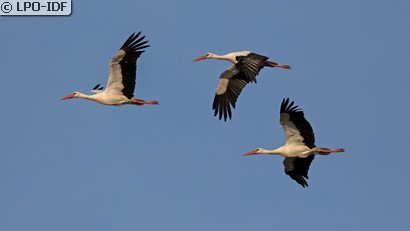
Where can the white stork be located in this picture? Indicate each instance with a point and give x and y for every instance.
(121, 79)
(245, 68)
(300, 149)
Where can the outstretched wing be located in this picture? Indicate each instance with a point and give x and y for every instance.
(297, 168)
(297, 129)
(123, 66)
(229, 88)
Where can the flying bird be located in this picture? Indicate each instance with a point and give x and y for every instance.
(245, 68)
(299, 149)
(121, 78)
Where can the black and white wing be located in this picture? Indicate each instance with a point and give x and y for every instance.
(297, 168)
(230, 86)
(234, 79)
(250, 65)
(297, 129)
(123, 66)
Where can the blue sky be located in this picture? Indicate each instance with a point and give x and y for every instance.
(77, 165)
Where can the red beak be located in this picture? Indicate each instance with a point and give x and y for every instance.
(250, 153)
(67, 97)
(198, 59)
(284, 66)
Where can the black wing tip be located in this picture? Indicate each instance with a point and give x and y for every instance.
(300, 179)
(304, 185)
(304, 182)
(222, 115)
(96, 87)
(135, 42)
(300, 170)
(222, 107)
(287, 106)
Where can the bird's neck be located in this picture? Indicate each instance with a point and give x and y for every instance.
(227, 57)
(277, 151)
(85, 96)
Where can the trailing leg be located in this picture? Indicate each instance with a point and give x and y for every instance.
(142, 102)
(273, 64)
(326, 151)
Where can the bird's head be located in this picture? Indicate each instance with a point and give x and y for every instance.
(72, 95)
(254, 152)
(205, 56)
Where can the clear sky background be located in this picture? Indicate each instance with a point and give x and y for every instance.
(78, 165)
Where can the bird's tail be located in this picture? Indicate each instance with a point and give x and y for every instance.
(273, 64)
